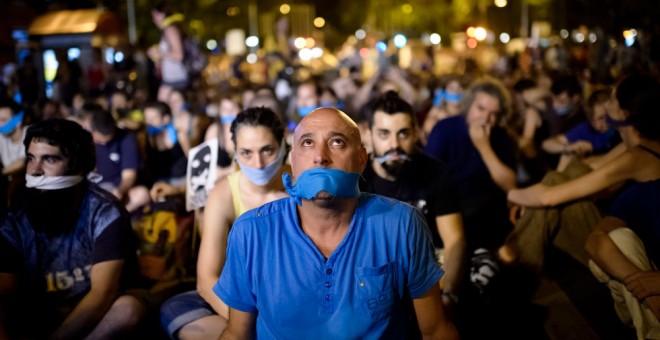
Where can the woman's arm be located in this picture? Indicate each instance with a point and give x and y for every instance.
(174, 40)
(218, 216)
(540, 195)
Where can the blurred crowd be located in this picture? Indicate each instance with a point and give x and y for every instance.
(552, 147)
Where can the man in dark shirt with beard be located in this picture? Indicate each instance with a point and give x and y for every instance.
(64, 255)
(399, 170)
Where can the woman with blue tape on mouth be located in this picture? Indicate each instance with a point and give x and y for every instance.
(261, 153)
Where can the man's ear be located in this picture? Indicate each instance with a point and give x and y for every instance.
(364, 158)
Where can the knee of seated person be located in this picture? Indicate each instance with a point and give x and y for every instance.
(139, 195)
(128, 312)
(554, 178)
(576, 169)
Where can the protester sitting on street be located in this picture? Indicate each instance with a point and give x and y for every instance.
(331, 262)
(258, 136)
(635, 112)
(481, 159)
(67, 259)
(592, 137)
(187, 125)
(166, 161)
(117, 157)
(397, 168)
(446, 103)
(624, 250)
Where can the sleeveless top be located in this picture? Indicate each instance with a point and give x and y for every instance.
(651, 151)
(172, 71)
(239, 207)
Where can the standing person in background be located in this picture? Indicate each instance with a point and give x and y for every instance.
(170, 52)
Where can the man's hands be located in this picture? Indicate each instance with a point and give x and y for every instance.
(480, 135)
(645, 286)
(580, 148)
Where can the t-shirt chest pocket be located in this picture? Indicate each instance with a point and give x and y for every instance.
(376, 290)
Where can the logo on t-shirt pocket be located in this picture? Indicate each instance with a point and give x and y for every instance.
(376, 290)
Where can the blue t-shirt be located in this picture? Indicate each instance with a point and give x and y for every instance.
(639, 207)
(483, 204)
(601, 142)
(55, 268)
(360, 292)
(118, 154)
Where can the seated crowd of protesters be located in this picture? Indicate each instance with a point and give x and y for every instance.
(499, 173)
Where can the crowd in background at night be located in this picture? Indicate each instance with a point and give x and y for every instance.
(569, 155)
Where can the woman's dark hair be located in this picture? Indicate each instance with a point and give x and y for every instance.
(645, 114)
(629, 88)
(11, 104)
(161, 107)
(164, 7)
(75, 143)
(258, 116)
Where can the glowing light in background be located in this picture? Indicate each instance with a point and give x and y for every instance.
(110, 55)
(233, 11)
(472, 43)
(470, 31)
(119, 57)
(319, 22)
(73, 53)
(299, 42)
(364, 52)
(435, 38)
(505, 38)
(252, 41)
(406, 8)
(305, 54)
(480, 33)
(400, 40)
(251, 58)
(630, 36)
(381, 46)
(360, 34)
(564, 34)
(285, 9)
(317, 52)
(501, 3)
(212, 44)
